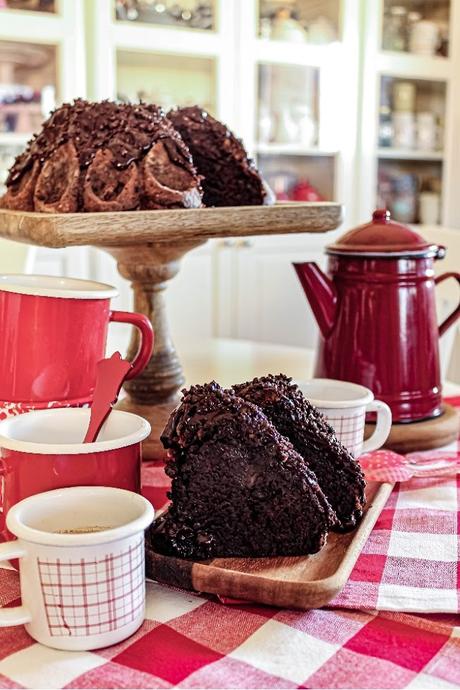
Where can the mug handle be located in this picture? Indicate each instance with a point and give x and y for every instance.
(143, 324)
(18, 615)
(382, 428)
(2, 498)
(452, 318)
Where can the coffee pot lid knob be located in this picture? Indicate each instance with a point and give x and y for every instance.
(381, 215)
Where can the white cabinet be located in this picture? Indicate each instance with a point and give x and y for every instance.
(246, 288)
(191, 295)
(270, 305)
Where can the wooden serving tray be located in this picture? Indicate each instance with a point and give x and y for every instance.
(303, 582)
(128, 228)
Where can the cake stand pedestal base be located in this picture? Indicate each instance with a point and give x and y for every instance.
(424, 435)
(157, 415)
(154, 393)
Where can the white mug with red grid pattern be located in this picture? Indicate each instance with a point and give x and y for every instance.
(81, 556)
(345, 406)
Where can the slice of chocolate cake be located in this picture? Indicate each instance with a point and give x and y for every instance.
(238, 487)
(339, 474)
(104, 157)
(230, 177)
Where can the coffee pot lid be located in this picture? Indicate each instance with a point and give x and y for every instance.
(385, 238)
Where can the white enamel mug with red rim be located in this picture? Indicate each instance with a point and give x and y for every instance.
(345, 406)
(79, 591)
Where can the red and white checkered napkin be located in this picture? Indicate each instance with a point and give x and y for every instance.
(191, 641)
(411, 560)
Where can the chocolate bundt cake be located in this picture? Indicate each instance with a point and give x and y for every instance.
(238, 487)
(103, 157)
(230, 178)
(338, 473)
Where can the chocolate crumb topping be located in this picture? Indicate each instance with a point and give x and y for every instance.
(238, 487)
(230, 177)
(338, 473)
(113, 138)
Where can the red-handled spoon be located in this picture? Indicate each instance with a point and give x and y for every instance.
(111, 373)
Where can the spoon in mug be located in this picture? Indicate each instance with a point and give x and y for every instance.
(111, 373)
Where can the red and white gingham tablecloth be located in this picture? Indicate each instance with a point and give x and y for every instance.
(395, 625)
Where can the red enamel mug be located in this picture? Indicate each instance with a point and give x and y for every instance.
(53, 333)
(44, 450)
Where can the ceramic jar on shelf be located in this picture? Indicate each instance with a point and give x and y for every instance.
(426, 131)
(403, 115)
(423, 38)
(404, 93)
(285, 28)
(403, 130)
(429, 208)
(395, 29)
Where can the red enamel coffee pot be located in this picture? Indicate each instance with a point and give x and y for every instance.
(377, 315)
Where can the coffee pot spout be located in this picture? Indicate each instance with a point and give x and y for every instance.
(320, 292)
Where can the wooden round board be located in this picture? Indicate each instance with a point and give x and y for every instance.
(424, 435)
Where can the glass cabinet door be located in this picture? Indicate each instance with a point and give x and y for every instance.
(412, 115)
(168, 80)
(411, 148)
(420, 27)
(28, 77)
(185, 14)
(287, 133)
(300, 21)
(27, 85)
(287, 105)
(30, 5)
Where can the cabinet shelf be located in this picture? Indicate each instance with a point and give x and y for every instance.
(14, 138)
(274, 149)
(152, 39)
(412, 66)
(25, 25)
(409, 154)
(285, 53)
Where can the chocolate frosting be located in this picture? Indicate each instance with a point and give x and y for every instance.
(90, 156)
(127, 131)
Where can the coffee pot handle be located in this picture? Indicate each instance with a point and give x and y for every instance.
(17, 615)
(452, 318)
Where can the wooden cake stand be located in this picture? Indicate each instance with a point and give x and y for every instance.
(148, 247)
